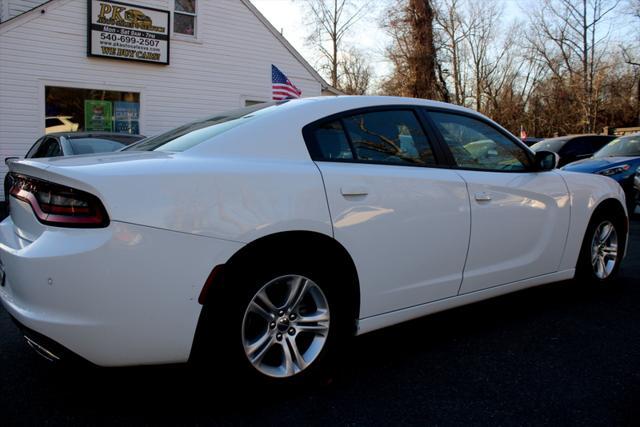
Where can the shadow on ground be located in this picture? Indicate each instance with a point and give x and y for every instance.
(561, 354)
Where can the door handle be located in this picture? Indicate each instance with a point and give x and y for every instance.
(482, 197)
(354, 190)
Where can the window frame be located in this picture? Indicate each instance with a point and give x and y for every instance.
(450, 159)
(182, 36)
(308, 133)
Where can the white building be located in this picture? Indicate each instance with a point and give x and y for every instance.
(219, 55)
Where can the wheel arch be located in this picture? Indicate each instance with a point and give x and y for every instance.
(615, 206)
(589, 194)
(322, 246)
(607, 204)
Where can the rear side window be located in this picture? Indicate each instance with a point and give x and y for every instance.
(332, 142)
(49, 148)
(389, 137)
(577, 147)
(34, 149)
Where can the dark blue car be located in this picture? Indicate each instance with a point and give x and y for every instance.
(620, 160)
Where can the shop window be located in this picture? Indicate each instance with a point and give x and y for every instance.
(91, 110)
(184, 17)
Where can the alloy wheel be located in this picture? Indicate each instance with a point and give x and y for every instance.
(604, 250)
(286, 326)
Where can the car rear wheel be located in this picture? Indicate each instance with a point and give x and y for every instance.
(602, 248)
(286, 326)
(284, 323)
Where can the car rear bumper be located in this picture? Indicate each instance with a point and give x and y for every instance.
(121, 295)
(49, 349)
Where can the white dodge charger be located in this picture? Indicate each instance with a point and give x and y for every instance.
(265, 237)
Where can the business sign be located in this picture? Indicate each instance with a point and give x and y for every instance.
(126, 115)
(97, 116)
(125, 31)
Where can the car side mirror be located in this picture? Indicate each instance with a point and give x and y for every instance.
(8, 160)
(546, 160)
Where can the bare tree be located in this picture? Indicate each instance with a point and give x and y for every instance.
(413, 53)
(355, 73)
(330, 21)
(452, 34)
(633, 7)
(481, 28)
(568, 35)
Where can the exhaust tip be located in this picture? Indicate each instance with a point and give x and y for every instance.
(43, 352)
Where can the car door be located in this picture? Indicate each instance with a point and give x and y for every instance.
(404, 221)
(520, 217)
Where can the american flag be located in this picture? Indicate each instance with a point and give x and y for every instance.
(282, 86)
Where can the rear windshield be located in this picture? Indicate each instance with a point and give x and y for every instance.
(100, 144)
(192, 134)
(94, 145)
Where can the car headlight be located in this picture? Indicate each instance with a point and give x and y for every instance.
(614, 170)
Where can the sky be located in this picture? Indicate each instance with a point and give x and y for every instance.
(288, 16)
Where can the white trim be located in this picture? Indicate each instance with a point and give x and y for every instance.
(27, 16)
(4, 13)
(323, 83)
(196, 28)
(89, 85)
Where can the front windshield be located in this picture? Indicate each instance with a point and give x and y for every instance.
(192, 134)
(626, 146)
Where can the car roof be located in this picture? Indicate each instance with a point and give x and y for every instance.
(570, 137)
(74, 135)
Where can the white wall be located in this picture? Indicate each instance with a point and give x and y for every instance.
(230, 61)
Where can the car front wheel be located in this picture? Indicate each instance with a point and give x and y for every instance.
(602, 248)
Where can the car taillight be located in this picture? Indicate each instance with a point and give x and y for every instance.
(57, 205)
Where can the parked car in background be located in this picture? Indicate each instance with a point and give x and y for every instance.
(636, 186)
(529, 141)
(620, 160)
(60, 124)
(573, 147)
(74, 143)
(257, 241)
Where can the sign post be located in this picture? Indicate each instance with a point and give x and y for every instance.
(124, 31)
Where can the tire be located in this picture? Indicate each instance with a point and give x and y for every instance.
(602, 248)
(271, 334)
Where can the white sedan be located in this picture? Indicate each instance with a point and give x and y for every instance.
(257, 241)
